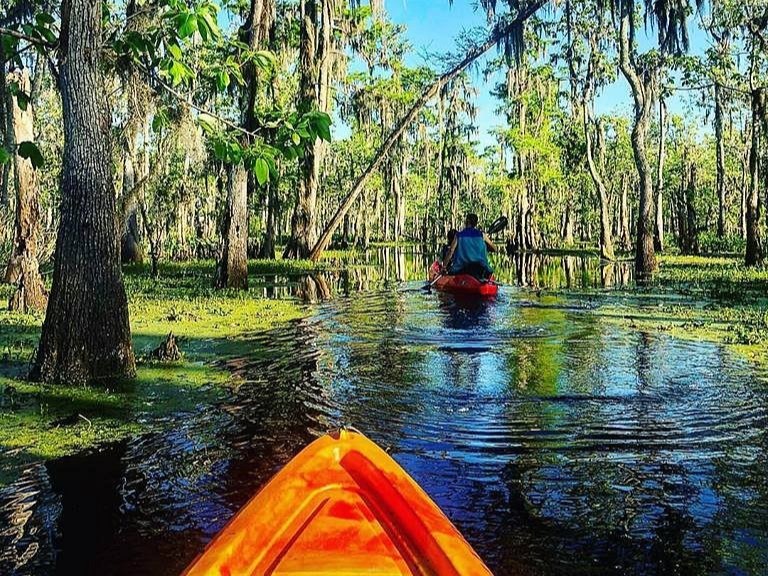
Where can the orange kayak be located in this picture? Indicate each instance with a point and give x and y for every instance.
(462, 283)
(342, 506)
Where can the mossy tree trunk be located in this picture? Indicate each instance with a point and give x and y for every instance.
(311, 48)
(232, 268)
(86, 334)
(23, 268)
(232, 265)
(720, 150)
(641, 87)
(658, 234)
(754, 252)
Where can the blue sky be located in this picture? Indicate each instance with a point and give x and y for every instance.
(432, 26)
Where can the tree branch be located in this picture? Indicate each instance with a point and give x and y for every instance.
(22, 36)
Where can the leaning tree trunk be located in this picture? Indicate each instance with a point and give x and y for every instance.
(645, 258)
(754, 252)
(232, 268)
(23, 268)
(86, 335)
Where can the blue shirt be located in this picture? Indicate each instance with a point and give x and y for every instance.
(470, 249)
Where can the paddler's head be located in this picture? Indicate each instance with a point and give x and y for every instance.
(471, 221)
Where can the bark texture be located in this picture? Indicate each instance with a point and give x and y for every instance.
(86, 335)
(23, 268)
(645, 257)
(303, 220)
(754, 252)
(232, 269)
(720, 148)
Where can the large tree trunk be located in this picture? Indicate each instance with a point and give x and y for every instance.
(303, 221)
(232, 265)
(23, 268)
(86, 335)
(754, 252)
(658, 236)
(645, 258)
(232, 268)
(720, 149)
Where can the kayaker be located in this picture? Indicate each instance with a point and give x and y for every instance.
(451, 235)
(468, 253)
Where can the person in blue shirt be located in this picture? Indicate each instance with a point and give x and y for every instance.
(468, 253)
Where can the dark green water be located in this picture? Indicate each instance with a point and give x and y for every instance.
(558, 441)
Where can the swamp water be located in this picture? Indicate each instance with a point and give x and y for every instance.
(557, 439)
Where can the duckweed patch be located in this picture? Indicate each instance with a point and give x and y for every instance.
(38, 422)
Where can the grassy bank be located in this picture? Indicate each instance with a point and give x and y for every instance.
(39, 422)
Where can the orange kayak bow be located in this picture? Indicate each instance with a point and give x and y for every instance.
(342, 506)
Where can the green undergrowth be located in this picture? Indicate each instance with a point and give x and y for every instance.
(38, 422)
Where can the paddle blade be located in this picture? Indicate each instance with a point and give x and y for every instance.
(498, 225)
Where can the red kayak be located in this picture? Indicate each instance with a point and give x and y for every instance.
(462, 283)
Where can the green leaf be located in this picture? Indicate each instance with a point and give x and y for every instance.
(220, 149)
(261, 168)
(206, 123)
(31, 152)
(186, 24)
(324, 131)
(296, 138)
(321, 123)
(175, 51)
(43, 18)
(234, 153)
(222, 80)
(159, 121)
(207, 19)
(47, 33)
(5, 156)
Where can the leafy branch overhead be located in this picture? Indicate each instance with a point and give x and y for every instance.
(181, 52)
